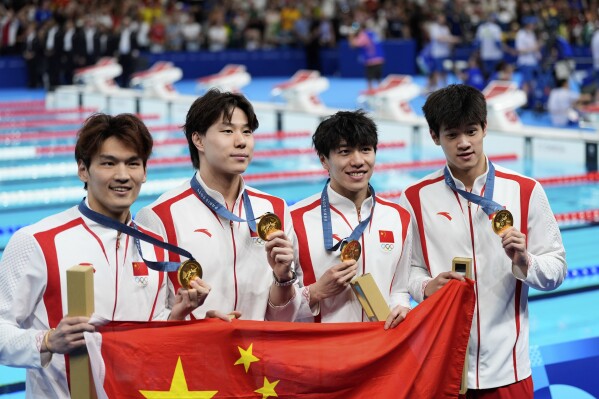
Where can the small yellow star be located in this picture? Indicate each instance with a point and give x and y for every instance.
(247, 357)
(268, 389)
(178, 388)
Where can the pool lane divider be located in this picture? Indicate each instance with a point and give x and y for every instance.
(58, 122)
(19, 136)
(30, 152)
(23, 104)
(28, 112)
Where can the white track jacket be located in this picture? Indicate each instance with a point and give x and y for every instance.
(386, 244)
(447, 226)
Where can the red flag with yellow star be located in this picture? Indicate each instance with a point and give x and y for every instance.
(422, 358)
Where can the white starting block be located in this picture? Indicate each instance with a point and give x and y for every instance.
(157, 82)
(231, 78)
(157, 89)
(302, 90)
(92, 86)
(391, 99)
(503, 98)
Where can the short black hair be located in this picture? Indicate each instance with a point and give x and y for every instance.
(453, 106)
(210, 108)
(353, 127)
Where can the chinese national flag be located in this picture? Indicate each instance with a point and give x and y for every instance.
(422, 358)
(140, 269)
(386, 236)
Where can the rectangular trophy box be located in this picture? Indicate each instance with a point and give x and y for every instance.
(370, 297)
(464, 267)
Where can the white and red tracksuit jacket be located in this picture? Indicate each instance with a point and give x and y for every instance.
(447, 226)
(232, 257)
(386, 243)
(33, 292)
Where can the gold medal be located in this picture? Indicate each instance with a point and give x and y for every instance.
(268, 223)
(502, 220)
(351, 250)
(188, 271)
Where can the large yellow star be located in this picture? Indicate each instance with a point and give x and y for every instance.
(247, 357)
(268, 389)
(178, 388)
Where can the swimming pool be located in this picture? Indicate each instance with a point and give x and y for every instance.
(38, 178)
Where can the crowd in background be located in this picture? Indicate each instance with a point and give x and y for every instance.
(57, 36)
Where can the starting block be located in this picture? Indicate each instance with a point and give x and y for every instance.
(503, 98)
(92, 86)
(391, 99)
(231, 78)
(157, 82)
(157, 91)
(302, 90)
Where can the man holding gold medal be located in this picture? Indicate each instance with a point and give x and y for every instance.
(242, 237)
(501, 223)
(347, 231)
(111, 153)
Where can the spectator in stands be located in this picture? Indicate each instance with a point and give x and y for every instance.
(33, 54)
(442, 42)
(503, 71)
(472, 75)
(595, 53)
(563, 104)
(490, 45)
(217, 34)
(192, 33)
(529, 55)
(371, 52)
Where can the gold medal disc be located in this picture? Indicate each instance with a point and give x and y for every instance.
(188, 271)
(502, 220)
(268, 223)
(351, 250)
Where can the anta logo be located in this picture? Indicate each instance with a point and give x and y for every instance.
(446, 214)
(205, 231)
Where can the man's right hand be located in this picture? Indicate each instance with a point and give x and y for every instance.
(333, 281)
(68, 335)
(438, 282)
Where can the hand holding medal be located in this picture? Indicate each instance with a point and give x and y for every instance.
(268, 223)
(188, 271)
(502, 220)
(351, 250)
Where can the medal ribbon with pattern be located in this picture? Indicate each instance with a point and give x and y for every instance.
(327, 226)
(220, 209)
(137, 235)
(486, 203)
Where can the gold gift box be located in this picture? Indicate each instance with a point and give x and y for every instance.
(370, 297)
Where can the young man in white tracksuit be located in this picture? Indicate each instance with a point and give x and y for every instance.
(346, 145)
(212, 216)
(453, 211)
(111, 153)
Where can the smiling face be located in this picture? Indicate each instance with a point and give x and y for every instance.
(114, 178)
(463, 148)
(350, 169)
(227, 148)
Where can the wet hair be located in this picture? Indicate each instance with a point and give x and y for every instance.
(454, 106)
(213, 107)
(353, 127)
(127, 128)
